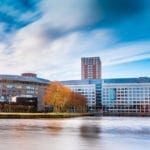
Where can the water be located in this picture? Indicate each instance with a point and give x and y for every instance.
(88, 133)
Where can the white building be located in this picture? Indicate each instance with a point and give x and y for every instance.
(89, 91)
(128, 95)
(91, 88)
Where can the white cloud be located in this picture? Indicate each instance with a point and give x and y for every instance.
(69, 14)
(53, 59)
(126, 53)
(60, 59)
(51, 48)
(2, 47)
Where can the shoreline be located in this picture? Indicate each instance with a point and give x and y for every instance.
(41, 115)
(7, 115)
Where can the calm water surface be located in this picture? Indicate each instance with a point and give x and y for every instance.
(88, 133)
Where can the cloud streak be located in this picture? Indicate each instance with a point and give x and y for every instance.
(49, 37)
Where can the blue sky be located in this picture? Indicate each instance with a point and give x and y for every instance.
(49, 37)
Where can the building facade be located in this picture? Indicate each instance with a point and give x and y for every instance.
(129, 95)
(91, 89)
(90, 68)
(88, 90)
(26, 85)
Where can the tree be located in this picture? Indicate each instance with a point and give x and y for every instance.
(77, 102)
(61, 98)
(56, 95)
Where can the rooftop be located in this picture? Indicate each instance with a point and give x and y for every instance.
(24, 78)
(128, 80)
(81, 82)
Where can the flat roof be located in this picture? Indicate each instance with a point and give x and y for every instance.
(23, 78)
(128, 80)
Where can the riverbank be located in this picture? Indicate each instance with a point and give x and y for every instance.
(8, 115)
(41, 115)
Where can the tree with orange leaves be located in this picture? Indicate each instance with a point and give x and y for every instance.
(56, 95)
(77, 102)
(62, 99)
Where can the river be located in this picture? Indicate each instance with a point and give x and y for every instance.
(85, 133)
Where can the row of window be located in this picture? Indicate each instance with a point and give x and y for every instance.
(127, 97)
(126, 102)
(129, 88)
(9, 86)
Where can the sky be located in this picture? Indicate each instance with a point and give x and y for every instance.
(49, 37)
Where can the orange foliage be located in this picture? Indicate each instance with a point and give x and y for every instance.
(62, 98)
(78, 101)
(56, 95)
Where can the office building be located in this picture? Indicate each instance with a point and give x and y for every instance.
(90, 68)
(126, 95)
(91, 89)
(27, 86)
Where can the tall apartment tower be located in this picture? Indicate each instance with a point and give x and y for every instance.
(90, 68)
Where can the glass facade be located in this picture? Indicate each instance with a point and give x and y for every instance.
(90, 85)
(89, 91)
(126, 97)
(129, 95)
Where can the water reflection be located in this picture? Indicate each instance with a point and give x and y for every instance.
(89, 131)
(55, 128)
(106, 133)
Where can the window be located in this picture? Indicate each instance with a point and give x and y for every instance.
(112, 93)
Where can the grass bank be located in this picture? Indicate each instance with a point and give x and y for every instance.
(40, 115)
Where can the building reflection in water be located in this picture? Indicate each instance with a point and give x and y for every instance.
(90, 130)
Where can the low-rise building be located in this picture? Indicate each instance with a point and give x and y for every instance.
(26, 85)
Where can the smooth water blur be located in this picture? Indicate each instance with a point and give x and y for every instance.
(88, 133)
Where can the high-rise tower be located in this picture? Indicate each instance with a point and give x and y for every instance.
(90, 68)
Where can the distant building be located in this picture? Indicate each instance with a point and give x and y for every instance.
(90, 68)
(126, 95)
(26, 86)
(29, 74)
(91, 89)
